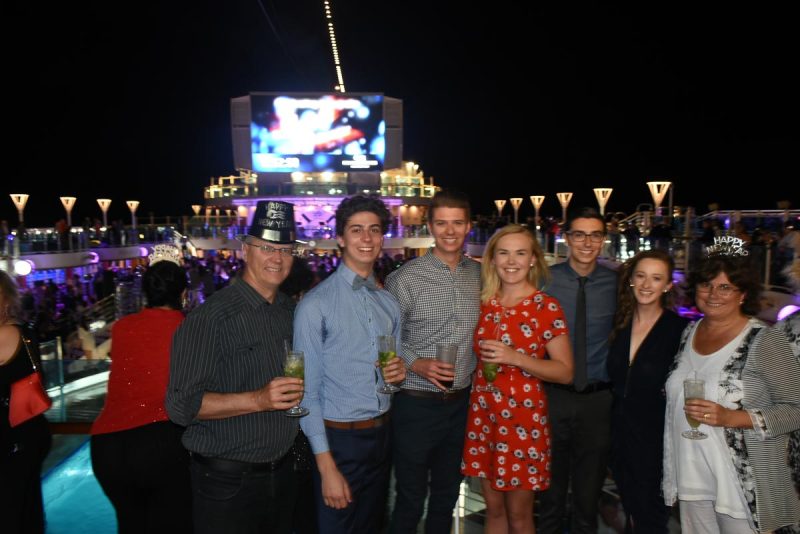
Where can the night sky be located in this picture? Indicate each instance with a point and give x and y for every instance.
(130, 100)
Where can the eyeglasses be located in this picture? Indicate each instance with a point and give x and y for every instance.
(723, 290)
(266, 249)
(594, 237)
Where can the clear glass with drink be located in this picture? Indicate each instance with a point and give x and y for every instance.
(489, 373)
(694, 388)
(386, 352)
(447, 353)
(294, 367)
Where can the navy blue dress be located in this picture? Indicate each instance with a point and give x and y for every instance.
(637, 420)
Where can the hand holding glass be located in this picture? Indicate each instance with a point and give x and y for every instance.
(447, 353)
(294, 367)
(693, 388)
(386, 353)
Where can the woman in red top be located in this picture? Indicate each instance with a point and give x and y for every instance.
(507, 443)
(137, 455)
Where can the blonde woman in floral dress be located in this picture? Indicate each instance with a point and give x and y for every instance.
(507, 442)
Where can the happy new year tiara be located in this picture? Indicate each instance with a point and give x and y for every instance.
(727, 245)
(165, 252)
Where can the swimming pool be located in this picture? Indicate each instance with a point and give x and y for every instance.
(74, 502)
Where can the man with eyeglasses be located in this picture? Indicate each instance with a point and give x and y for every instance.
(580, 414)
(337, 325)
(227, 388)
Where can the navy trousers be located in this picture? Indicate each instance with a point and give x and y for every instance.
(581, 444)
(364, 459)
(428, 437)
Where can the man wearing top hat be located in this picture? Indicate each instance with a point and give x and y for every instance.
(227, 388)
(337, 325)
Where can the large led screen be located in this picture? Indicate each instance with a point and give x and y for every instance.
(335, 132)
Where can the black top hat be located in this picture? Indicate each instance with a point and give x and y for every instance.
(273, 221)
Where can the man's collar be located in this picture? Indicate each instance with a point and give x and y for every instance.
(433, 258)
(575, 273)
(251, 296)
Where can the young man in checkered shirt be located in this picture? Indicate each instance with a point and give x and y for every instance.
(439, 296)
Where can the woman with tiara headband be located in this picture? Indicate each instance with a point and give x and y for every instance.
(736, 383)
(137, 455)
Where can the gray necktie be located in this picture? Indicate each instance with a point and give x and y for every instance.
(580, 336)
(369, 283)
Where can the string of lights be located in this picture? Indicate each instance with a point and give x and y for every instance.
(334, 48)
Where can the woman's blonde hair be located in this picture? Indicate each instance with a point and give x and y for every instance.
(490, 282)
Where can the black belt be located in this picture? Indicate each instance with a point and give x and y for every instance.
(440, 395)
(236, 467)
(593, 387)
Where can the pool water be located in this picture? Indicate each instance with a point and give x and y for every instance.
(74, 502)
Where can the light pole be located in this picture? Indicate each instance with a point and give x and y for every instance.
(104, 204)
(537, 201)
(69, 203)
(196, 209)
(19, 200)
(241, 214)
(602, 194)
(658, 190)
(500, 205)
(132, 205)
(564, 199)
(516, 203)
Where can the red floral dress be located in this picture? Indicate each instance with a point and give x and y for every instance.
(508, 434)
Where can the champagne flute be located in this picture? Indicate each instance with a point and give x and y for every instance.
(386, 353)
(294, 367)
(693, 388)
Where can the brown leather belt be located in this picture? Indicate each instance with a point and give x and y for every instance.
(375, 422)
(440, 395)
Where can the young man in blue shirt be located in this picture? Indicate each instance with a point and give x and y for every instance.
(337, 325)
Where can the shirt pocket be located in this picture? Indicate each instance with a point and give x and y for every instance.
(248, 366)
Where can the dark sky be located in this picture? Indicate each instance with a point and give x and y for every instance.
(131, 99)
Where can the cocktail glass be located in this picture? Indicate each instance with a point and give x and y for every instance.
(294, 367)
(386, 353)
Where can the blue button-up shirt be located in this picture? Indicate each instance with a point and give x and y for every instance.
(337, 328)
(601, 304)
